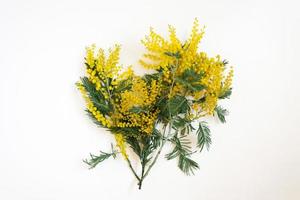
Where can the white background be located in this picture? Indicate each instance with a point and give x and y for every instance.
(45, 134)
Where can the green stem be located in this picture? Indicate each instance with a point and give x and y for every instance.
(173, 75)
(154, 161)
(156, 157)
(130, 166)
(142, 176)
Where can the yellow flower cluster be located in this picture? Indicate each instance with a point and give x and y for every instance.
(146, 121)
(90, 56)
(164, 54)
(125, 75)
(137, 96)
(121, 144)
(153, 92)
(91, 107)
(213, 69)
(157, 47)
(176, 90)
(189, 54)
(227, 82)
(99, 68)
(140, 95)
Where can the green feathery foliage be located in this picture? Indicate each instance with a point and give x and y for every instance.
(96, 159)
(226, 94)
(221, 113)
(203, 135)
(190, 80)
(182, 151)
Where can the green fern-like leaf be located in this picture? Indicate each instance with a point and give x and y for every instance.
(96, 96)
(182, 147)
(226, 94)
(96, 159)
(177, 105)
(182, 150)
(187, 165)
(134, 145)
(203, 136)
(190, 79)
(221, 113)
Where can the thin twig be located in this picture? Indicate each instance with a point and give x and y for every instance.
(159, 151)
(130, 166)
